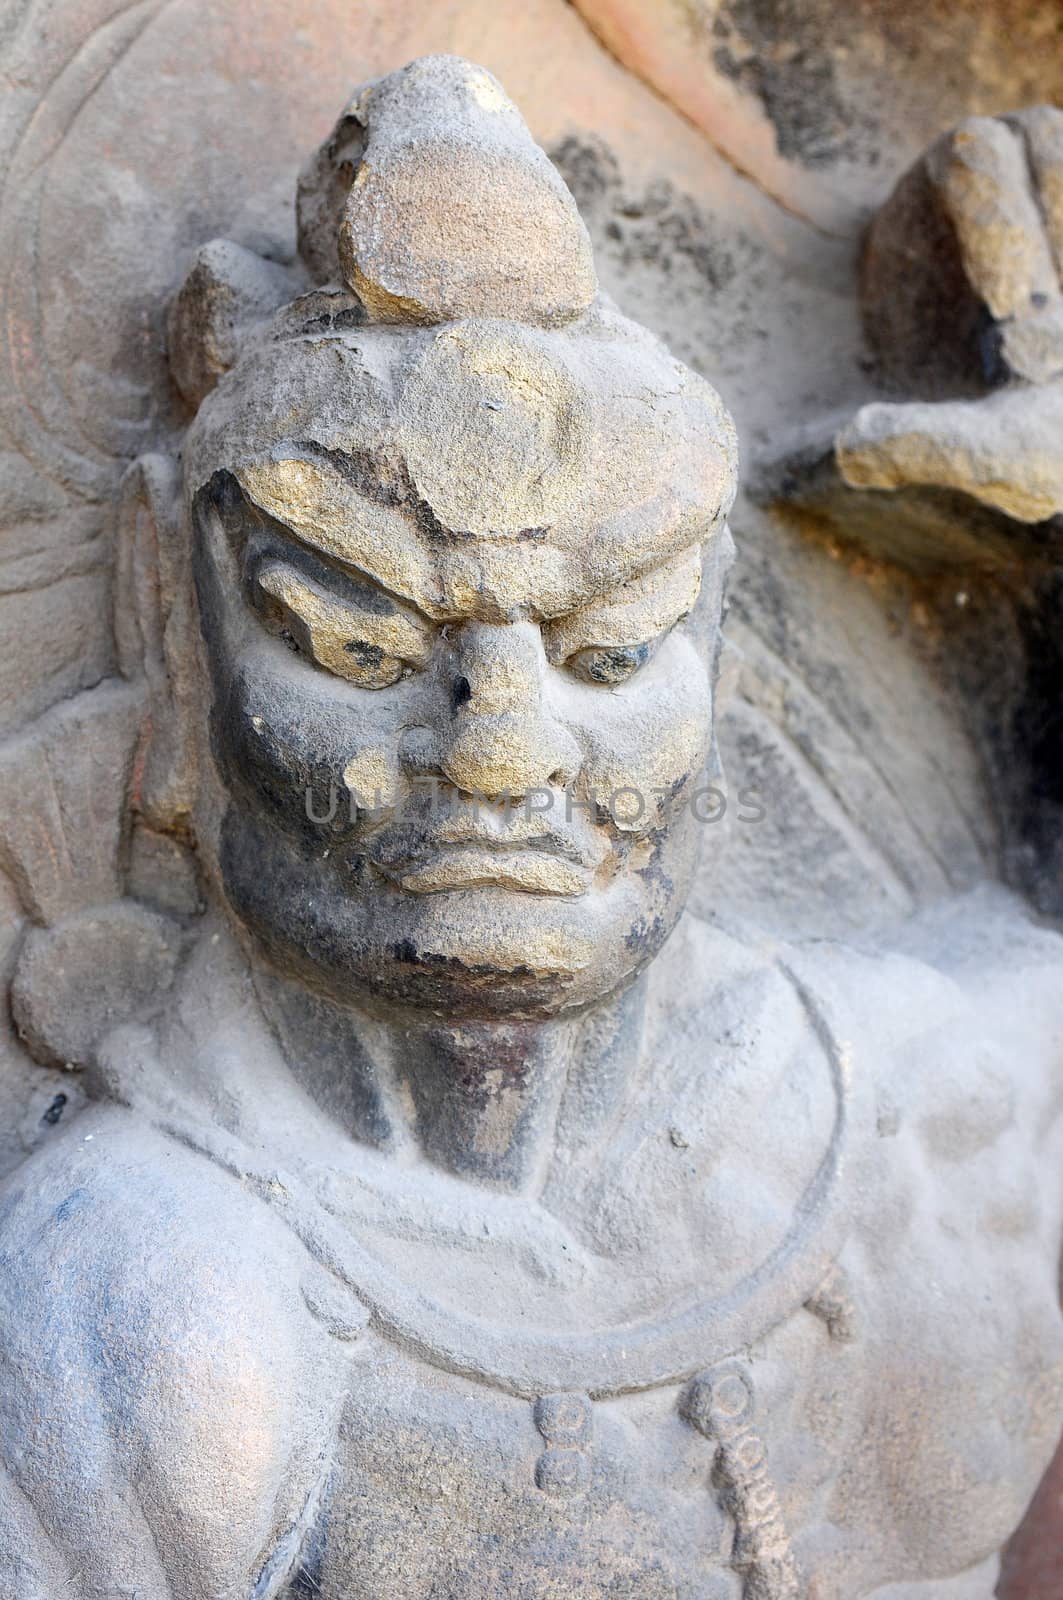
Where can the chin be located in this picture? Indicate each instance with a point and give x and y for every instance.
(465, 953)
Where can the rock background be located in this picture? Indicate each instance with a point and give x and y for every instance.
(898, 720)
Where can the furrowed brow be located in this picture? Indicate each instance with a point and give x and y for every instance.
(325, 512)
(329, 618)
(638, 610)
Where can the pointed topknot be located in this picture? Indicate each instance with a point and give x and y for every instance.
(431, 200)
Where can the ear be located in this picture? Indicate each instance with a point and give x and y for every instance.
(155, 637)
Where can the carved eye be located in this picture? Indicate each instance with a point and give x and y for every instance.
(317, 627)
(610, 664)
(371, 667)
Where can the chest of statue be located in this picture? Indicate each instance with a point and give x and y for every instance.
(443, 1488)
(722, 1487)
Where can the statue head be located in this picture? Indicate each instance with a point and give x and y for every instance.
(458, 544)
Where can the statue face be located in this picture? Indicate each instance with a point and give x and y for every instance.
(460, 667)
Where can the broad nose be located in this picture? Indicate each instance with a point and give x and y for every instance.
(500, 738)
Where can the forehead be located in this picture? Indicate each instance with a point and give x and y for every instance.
(477, 468)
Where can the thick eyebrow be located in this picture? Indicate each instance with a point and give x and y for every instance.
(638, 610)
(328, 618)
(326, 513)
(272, 544)
(318, 508)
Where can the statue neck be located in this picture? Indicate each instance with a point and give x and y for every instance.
(488, 1101)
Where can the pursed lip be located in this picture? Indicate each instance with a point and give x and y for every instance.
(520, 853)
(475, 866)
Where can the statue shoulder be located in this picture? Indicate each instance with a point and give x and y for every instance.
(956, 1021)
(167, 1393)
(951, 1265)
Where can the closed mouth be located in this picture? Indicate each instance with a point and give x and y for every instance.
(491, 864)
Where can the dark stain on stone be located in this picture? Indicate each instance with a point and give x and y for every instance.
(366, 655)
(73, 1203)
(55, 1110)
(646, 936)
(658, 227)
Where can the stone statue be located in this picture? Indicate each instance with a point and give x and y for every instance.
(450, 1216)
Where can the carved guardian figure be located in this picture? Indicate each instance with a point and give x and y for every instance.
(462, 1220)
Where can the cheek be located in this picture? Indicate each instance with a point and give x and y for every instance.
(282, 732)
(651, 737)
